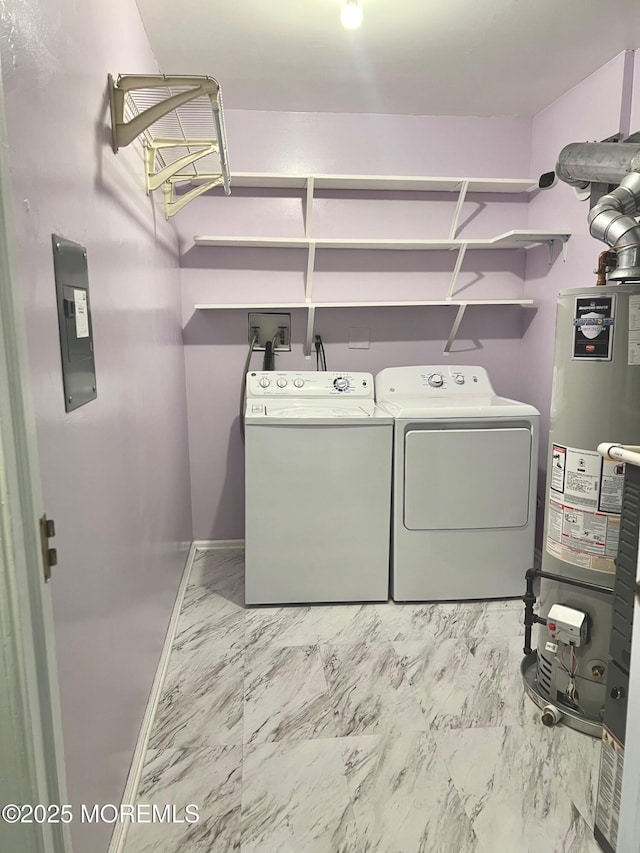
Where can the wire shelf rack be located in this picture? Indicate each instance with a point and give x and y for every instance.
(181, 122)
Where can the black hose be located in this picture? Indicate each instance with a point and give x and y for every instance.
(268, 362)
(243, 390)
(321, 359)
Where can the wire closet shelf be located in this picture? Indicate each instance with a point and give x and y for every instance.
(181, 122)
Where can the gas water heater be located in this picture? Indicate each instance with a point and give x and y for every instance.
(596, 394)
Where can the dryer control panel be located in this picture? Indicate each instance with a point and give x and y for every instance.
(309, 384)
(440, 380)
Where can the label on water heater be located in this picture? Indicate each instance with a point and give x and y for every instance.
(593, 323)
(583, 512)
(609, 786)
(634, 330)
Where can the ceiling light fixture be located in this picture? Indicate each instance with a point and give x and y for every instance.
(351, 15)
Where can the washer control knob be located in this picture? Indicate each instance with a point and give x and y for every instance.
(264, 382)
(281, 383)
(298, 383)
(436, 380)
(340, 383)
(458, 379)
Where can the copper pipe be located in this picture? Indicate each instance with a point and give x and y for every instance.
(606, 260)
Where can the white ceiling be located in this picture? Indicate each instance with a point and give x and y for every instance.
(420, 57)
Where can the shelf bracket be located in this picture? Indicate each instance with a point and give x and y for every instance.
(454, 329)
(173, 205)
(309, 207)
(311, 315)
(565, 251)
(464, 186)
(311, 260)
(155, 179)
(456, 270)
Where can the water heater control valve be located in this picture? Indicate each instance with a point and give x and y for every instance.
(568, 625)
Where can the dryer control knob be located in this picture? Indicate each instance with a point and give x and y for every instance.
(298, 383)
(264, 382)
(436, 380)
(459, 379)
(341, 384)
(281, 383)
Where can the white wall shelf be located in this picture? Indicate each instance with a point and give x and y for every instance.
(381, 184)
(460, 304)
(508, 240)
(404, 303)
(276, 180)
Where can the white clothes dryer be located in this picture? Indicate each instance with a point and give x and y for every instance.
(464, 484)
(317, 488)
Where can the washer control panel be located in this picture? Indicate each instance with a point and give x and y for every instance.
(310, 384)
(440, 380)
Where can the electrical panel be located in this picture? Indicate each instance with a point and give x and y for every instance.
(74, 322)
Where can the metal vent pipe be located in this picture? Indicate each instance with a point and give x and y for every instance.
(611, 219)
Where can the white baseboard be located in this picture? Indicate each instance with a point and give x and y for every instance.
(130, 794)
(216, 544)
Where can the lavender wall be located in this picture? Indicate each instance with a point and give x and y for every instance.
(115, 472)
(216, 342)
(595, 109)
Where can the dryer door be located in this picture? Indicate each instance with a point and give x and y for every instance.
(461, 479)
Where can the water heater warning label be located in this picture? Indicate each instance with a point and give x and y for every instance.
(593, 328)
(585, 500)
(634, 330)
(610, 787)
(582, 478)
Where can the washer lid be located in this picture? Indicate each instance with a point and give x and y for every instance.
(318, 411)
(313, 410)
(428, 408)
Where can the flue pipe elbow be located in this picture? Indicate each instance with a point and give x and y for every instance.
(611, 219)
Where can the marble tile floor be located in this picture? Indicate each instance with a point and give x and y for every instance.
(350, 728)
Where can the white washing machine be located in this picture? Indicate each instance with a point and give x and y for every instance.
(464, 484)
(318, 488)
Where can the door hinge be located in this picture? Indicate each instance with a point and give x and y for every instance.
(49, 555)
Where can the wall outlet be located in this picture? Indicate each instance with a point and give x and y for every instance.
(271, 327)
